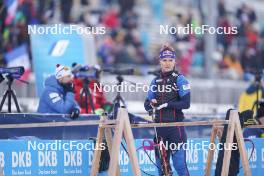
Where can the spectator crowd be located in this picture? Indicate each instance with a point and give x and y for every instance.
(237, 56)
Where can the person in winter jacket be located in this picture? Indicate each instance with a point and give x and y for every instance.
(58, 95)
(169, 93)
(97, 97)
(249, 97)
(247, 101)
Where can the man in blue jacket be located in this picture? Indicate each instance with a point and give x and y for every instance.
(169, 93)
(58, 95)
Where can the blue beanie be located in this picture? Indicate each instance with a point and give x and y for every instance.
(167, 53)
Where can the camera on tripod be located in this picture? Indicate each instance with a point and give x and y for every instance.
(10, 74)
(85, 72)
(119, 101)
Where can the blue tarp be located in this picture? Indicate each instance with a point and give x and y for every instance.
(49, 157)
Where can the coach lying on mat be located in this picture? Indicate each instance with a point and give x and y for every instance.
(58, 96)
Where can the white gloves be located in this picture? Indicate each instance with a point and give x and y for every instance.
(154, 101)
(164, 105)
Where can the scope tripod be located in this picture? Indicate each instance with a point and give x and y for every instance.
(87, 94)
(9, 94)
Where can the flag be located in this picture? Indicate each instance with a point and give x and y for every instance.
(19, 57)
(11, 10)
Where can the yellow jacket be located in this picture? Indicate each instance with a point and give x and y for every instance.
(248, 98)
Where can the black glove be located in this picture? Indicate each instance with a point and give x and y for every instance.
(68, 88)
(75, 113)
(246, 118)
